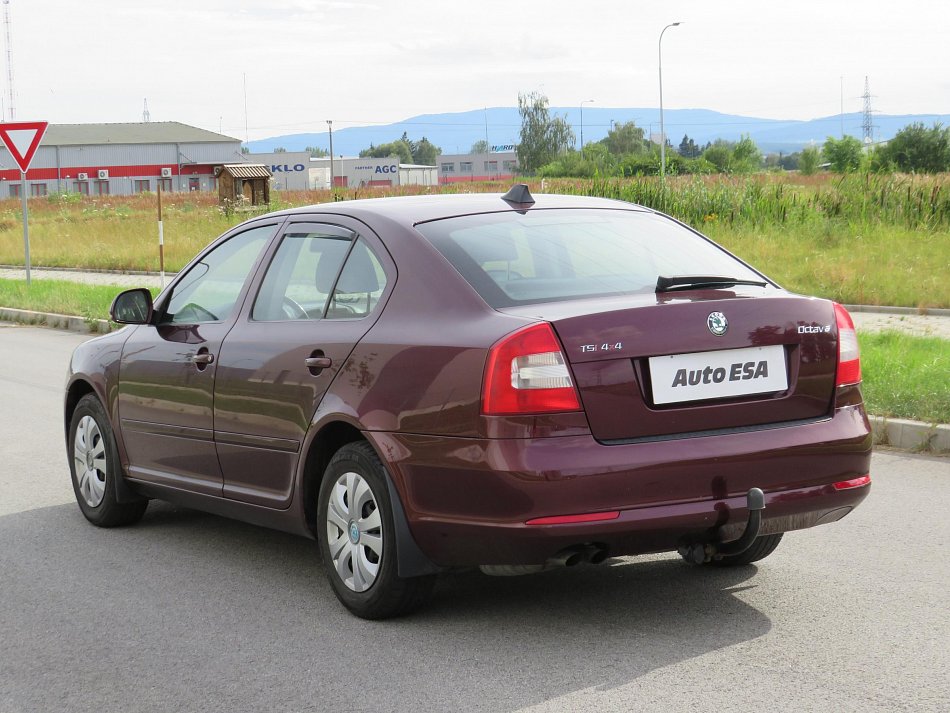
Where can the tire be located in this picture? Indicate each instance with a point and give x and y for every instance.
(354, 503)
(760, 549)
(94, 466)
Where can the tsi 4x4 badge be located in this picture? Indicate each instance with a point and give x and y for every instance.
(717, 323)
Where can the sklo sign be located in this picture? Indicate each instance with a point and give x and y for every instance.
(284, 168)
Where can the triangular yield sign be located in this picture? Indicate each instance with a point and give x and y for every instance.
(22, 138)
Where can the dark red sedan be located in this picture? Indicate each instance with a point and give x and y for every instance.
(474, 380)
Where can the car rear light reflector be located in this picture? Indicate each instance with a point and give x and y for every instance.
(853, 483)
(527, 373)
(569, 519)
(849, 358)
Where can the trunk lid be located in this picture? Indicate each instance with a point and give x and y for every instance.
(654, 366)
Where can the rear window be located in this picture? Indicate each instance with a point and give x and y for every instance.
(554, 255)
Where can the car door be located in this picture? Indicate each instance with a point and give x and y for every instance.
(168, 368)
(323, 288)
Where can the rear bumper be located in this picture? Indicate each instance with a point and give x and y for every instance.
(467, 500)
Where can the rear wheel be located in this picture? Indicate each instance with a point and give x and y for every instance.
(760, 549)
(94, 466)
(357, 538)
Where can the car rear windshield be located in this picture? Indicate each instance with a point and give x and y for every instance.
(512, 258)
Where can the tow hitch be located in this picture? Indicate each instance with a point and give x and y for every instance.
(700, 553)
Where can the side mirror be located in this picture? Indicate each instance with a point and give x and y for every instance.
(132, 307)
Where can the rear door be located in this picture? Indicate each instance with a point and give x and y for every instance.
(323, 288)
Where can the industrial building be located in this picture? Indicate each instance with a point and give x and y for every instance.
(296, 171)
(122, 159)
(497, 165)
(119, 159)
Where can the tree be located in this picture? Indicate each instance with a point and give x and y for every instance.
(425, 152)
(399, 149)
(746, 157)
(316, 152)
(280, 149)
(719, 154)
(623, 139)
(917, 148)
(480, 146)
(843, 154)
(809, 160)
(543, 137)
(245, 150)
(688, 148)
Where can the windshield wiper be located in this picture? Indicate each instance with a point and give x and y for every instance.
(689, 282)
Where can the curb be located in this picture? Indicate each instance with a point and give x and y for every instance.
(56, 321)
(911, 435)
(917, 311)
(96, 270)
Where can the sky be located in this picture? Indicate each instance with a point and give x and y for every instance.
(361, 62)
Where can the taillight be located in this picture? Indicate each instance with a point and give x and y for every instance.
(849, 358)
(527, 373)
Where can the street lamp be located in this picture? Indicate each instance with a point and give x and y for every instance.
(330, 129)
(662, 131)
(586, 101)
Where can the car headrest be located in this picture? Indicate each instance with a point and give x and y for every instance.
(359, 274)
(332, 253)
(491, 249)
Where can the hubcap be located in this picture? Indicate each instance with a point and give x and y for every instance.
(89, 459)
(354, 532)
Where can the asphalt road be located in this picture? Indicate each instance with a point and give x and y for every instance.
(191, 612)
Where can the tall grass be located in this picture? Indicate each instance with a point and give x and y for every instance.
(871, 239)
(872, 199)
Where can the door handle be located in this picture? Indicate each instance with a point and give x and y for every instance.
(318, 362)
(202, 359)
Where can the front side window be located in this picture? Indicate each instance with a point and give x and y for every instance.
(448, 168)
(210, 289)
(552, 255)
(465, 167)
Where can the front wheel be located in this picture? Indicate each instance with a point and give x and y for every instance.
(357, 538)
(94, 466)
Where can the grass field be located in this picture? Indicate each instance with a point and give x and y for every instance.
(59, 297)
(905, 376)
(860, 240)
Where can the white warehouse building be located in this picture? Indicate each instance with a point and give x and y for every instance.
(119, 159)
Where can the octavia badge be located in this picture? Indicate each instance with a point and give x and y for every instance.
(717, 323)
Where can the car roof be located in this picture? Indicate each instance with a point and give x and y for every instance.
(411, 210)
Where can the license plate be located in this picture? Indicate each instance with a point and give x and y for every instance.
(718, 375)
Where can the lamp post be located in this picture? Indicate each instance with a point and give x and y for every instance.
(330, 129)
(662, 131)
(586, 101)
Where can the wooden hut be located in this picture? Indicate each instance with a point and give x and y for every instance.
(239, 182)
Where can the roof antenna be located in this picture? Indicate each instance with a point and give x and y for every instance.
(519, 194)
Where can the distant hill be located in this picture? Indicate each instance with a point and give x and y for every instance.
(455, 133)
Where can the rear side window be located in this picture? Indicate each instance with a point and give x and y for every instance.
(320, 273)
(554, 255)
